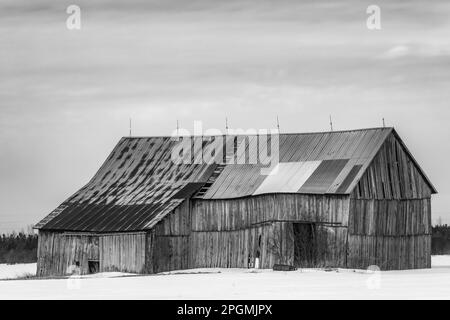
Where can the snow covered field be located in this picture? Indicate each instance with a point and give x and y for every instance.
(238, 284)
(13, 271)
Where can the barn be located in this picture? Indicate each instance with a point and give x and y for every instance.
(346, 199)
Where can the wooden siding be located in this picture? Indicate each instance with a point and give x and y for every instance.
(388, 252)
(177, 223)
(331, 247)
(168, 243)
(392, 175)
(390, 213)
(124, 252)
(232, 249)
(390, 217)
(59, 252)
(235, 214)
(393, 234)
(166, 253)
(226, 232)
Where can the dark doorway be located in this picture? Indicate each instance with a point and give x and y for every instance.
(304, 245)
(94, 266)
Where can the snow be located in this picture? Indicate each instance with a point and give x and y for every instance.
(13, 271)
(440, 261)
(240, 284)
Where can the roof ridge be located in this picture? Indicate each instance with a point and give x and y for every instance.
(284, 133)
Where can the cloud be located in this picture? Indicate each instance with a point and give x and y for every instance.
(396, 52)
(418, 50)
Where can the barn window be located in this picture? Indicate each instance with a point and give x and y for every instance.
(93, 266)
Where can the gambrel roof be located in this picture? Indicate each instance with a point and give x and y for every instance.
(140, 182)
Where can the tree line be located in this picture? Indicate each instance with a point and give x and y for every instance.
(18, 247)
(440, 240)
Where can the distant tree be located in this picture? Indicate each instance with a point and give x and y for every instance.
(440, 239)
(18, 247)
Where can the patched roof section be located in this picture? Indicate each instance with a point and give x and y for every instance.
(309, 163)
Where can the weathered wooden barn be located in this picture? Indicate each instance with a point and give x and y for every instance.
(335, 199)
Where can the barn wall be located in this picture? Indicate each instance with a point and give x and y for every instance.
(390, 213)
(392, 234)
(168, 242)
(232, 248)
(59, 252)
(166, 253)
(390, 253)
(124, 252)
(226, 232)
(392, 175)
(241, 213)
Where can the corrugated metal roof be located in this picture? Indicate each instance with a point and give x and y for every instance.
(135, 187)
(139, 183)
(287, 177)
(332, 155)
(323, 177)
(236, 180)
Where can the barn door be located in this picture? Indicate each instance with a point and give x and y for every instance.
(93, 254)
(304, 245)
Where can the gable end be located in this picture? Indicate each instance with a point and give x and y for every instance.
(393, 174)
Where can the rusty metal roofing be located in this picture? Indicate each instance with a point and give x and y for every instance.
(136, 186)
(140, 182)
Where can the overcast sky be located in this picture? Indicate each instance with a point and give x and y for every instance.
(66, 96)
